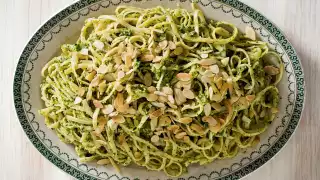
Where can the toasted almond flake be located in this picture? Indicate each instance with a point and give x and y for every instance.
(274, 110)
(188, 93)
(97, 104)
(95, 81)
(199, 129)
(90, 76)
(225, 61)
(102, 87)
(184, 76)
(180, 135)
(186, 138)
(119, 101)
(131, 111)
(107, 109)
(204, 56)
(156, 113)
(157, 59)
(167, 90)
(207, 109)
(103, 162)
(118, 119)
(152, 97)
(178, 51)
(234, 99)
(164, 121)
(185, 120)
(250, 98)
(98, 44)
(218, 82)
(172, 105)
(81, 91)
(115, 113)
(151, 89)
(210, 93)
(214, 69)
(171, 99)
(207, 62)
(179, 97)
(102, 69)
(163, 44)
(159, 93)
(119, 87)
(216, 106)
(210, 120)
(77, 100)
(147, 79)
(173, 128)
(250, 33)
(271, 70)
(172, 45)
(147, 57)
(163, 99)
(121, 74)
(84, 51)
(155, 138)
(215, 128)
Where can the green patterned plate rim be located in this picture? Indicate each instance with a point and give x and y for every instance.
(21, 87)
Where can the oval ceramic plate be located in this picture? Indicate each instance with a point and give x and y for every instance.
(65, 26)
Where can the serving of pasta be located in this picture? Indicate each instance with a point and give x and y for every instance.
(161, 88)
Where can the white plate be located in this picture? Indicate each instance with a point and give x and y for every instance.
(65, 26)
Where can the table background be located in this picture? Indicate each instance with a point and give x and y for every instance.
(299, 19)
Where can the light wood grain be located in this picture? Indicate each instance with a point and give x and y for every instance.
(300, 20)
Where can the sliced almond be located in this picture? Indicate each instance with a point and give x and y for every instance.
(95, 81)
(179, 97)
(173, 106)
(157, 59)
(131, 111)
(199, 129)
(188, 93)
(159, 93)
(184, 76)
(180, 135)
(250, 33)
(185, 120)
(271, 70)
(171, 99)
(147, 79)
(173, 128)
(121, 74)
(204, 55)
(209, 119)
(102, 87)
(103, 162)
(107, 109)
(163, 99)
(163, 44)
(115, 113)
(81, 91)
(152, 97)
(207, 109)
(172, 45)
(77, 100)
(155, 138)
(207, 62)
(214, 69)
(98, 44)
(234, 99)
(102, 69)
(167, 90)
(156, 113)
(147, 57)
(90, 76)
(225, 61)
(250, 98)
(97, 104)
(151, 89)
(216, 106)
(215, 128)
(118, 119)
(164, 121)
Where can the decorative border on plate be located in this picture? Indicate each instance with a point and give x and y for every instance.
(23, 107)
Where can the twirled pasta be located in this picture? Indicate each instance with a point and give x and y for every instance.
(161, 88)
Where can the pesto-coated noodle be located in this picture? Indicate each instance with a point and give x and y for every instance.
(161, 88)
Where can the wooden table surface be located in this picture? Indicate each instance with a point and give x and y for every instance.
(300, 158)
